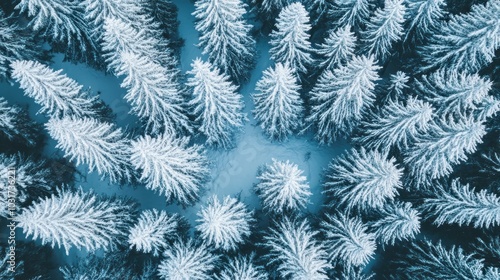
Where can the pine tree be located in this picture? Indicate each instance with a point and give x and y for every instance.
(169, 166)
(15, 44)
(465, 42)
(129, 11)
(151, 232)
(463, 206)
(186, 261)
(63, 22)
(278, 106)
(363, 180)
(351, 12)
(290, 40)
(399, 222)
(446, 143)
(225, 35)
(396, 124)
(242, 268)
(384, 28)
(348, 240)
(283, 187)
(296, 251)
(16, 126)
(340, 97)
(154, 94)
(216, 103)
(77, 219)
(454, 92)
(338, 48)
(31, 179)
(224, 224)
(101, 146)
(429, 261)
(423, 17)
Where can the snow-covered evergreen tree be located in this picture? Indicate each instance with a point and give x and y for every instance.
(15, 44)
(488, 108)
(151, 232)
(31, 179)
(242, 268)
(224, 224)
(454, 92)
(296, 251)
(55, 92)
(430, 261)
(278, 106)
(77, 219)
(464, 206)
(99, 145)
(186, 261)
(399, 222)
(396, 124)
(398, 83)
(225, 35)
(283, 187)
(271, 6)
(446, 143)
(129, 11)
(348, 240)
(15, 124)
(363, 179)
(340, 97)
(385, 28)
(62, 21)
(154, 94)
(465, 42)
(290, 40)
(351, 12)
(216, 103)
(422, 17)
(338, 47)
(169, 166)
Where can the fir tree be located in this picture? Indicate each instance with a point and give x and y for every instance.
(55, 92)
(242, 268)
(15, 44)
(465, 42)
(15, 125)
(169, 166)
(63, 22)
(77, 219)
(340, 97)
(129, 11)
(454, 92)
(224, 224)
(151, 232)
(463, 206)
(154, 94)
(348, 240)
(397, 124)
(225, 35)
(429, 261)
(363, 180)
(185, 261)
(216, 103)
(278, 106)
(290, 40)
(399, 222)
(446, 143)
(384, 28)
(423, 17)
(296, 251)
(282, 187)
(101, 146)
(351, 12)
(338, 48)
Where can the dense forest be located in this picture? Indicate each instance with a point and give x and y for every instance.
(372, 124)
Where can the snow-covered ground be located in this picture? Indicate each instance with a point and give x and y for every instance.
(233, 172)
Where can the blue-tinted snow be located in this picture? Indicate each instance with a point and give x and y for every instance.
(233, 172)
